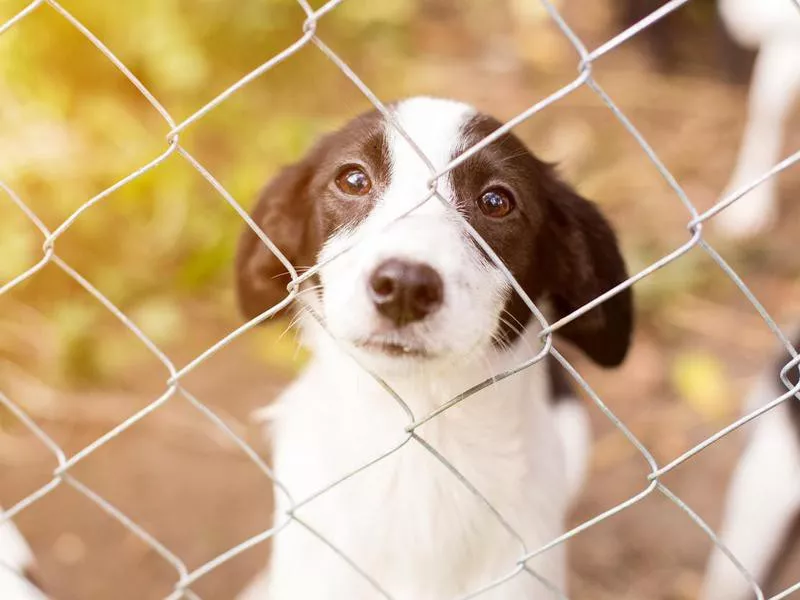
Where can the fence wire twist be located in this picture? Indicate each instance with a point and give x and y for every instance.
(62, 474)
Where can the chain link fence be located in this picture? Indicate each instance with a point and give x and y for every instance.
(695, 223)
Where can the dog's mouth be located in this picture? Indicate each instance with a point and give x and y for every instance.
(394, 348)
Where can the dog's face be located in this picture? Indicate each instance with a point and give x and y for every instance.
(420, 288)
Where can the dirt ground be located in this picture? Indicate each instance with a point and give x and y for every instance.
(174, 474)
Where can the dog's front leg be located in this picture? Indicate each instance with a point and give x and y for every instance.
(775, 85)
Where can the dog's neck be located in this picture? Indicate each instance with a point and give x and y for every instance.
(422, 385)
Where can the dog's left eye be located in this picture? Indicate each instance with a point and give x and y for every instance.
(496, 203)
(353, 181)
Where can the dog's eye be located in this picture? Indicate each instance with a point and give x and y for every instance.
(496, 203)
(353, 181)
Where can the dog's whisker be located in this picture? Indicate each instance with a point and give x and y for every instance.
(521, 325)
(298, 269)
(305, 290)
(301, 297)
(294, 321)
(518, 330)
(510, 325)
(484, 356)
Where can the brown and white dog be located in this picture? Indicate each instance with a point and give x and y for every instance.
(17, 577)
(420, 304)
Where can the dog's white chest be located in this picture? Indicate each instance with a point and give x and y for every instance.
(409, 521)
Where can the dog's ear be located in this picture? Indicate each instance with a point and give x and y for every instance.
(285, 213)
(583, 261)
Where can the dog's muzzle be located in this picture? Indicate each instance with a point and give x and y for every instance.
(405, 292)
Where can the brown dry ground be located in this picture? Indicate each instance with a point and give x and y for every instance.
(198, 495)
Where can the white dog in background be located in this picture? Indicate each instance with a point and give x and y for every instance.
(16, 564)
(772, 27)
(763, 499)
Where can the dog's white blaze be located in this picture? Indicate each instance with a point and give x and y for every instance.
(435, 125)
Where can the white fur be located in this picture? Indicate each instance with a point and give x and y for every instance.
(575, 432)
(408, 521)
(772, 26)
(752, 23)
(504, 440)
(15, 556)
(762, 501)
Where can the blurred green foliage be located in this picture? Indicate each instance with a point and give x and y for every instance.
(71, 125)
(160, 248)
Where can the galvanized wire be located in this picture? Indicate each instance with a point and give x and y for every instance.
(185, 578)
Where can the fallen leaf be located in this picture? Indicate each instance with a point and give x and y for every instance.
(701, 380)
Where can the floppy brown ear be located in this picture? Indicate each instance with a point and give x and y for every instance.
(585, 262)
(285, 213)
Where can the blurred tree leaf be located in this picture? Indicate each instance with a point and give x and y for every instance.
(17, 248)
(701, 380)
(75, 328)
(159, 318)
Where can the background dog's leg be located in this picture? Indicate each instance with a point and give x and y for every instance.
(735, 60)
(762, 502)
(776, 82)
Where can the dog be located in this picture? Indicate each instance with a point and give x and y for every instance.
(772, 27)
(756, 43)
(422, 306)
(18, 577)
(763, 499)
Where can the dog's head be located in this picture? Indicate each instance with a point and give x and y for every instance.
(422, 288)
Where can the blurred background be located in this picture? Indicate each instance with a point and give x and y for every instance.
(161, 247)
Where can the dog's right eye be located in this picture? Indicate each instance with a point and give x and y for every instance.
(496, 203)
(353, 181)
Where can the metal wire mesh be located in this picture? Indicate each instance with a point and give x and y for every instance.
(63, 475)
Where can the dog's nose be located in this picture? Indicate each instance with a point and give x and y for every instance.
(405, 291)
